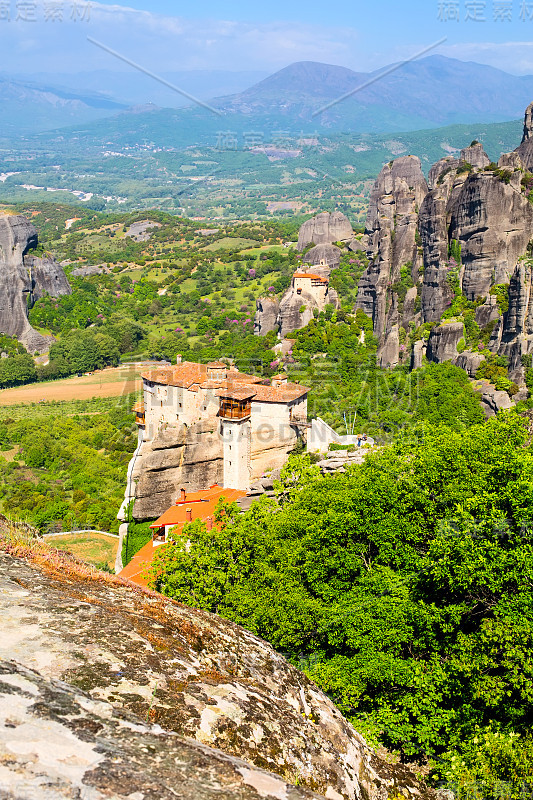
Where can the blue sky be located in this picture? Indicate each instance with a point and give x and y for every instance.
(166, 36)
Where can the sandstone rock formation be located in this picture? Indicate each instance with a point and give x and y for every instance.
(469, 230)
(296, 310)
(475, 155)
(179, 456)
(417, 354)
(525, 151)
(201, 681)
(266, 315)
(493, 401)
(391, 227)
(327, 254)
(513, 336)
(470, 362)
(443, 341)
(389, 353)
(325, 228)
(494, 224)
(24, 279)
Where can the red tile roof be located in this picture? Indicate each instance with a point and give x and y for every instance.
(189, 374)
(286, 393)
(237, 394)
(136, 570)
(202, 505)
(310, 275)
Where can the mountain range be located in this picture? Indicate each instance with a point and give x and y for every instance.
(432, 92)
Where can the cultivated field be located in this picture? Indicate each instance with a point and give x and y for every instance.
(103, 383)
(91, 547)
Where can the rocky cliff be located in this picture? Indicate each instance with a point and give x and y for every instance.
(325, 228)
(296, 310)
(391, 235)
(109, 690)
(179, 456)
(266, 315)
(24, 279)
(449, 248)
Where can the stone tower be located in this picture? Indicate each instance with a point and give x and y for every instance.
(236, 437)
(236, 431)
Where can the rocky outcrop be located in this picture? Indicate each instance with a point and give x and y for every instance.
(304, 299)
(58, 742)
(325, 228)
(23, 280)
(391, 228)
(475, 155)
(493, 400)
(48, 278)
(513, 336)
(525, 151)
(437, 171)
(417, 354)
(178, 456)
(324, 257)
(214, 694)
(488, 312)
(443, 341)
(470, 362)
(389, 353)
(295, 311)
(266, 315)
(473, 226)
(493, 222)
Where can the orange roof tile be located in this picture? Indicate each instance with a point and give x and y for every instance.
(285, 393)
(311, 275)
(189, 374)
(138, 408)
(202, 505)
(237, 394)
(139, 564)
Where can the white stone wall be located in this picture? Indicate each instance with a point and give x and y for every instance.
(317, 292)
(273, 437)
(236, 436)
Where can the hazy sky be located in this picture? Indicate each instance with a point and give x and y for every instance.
(166, 36)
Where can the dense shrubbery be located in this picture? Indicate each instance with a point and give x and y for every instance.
(403, 587)
(65, 471)
(346, 379)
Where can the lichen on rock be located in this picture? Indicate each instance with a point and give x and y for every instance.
(193, 674)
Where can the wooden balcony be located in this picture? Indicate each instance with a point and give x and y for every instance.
(235, 409)
(140, 417)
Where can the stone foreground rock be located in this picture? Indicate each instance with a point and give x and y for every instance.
(192, 673)
(57, 742)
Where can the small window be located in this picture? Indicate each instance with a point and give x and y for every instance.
(298, 291)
